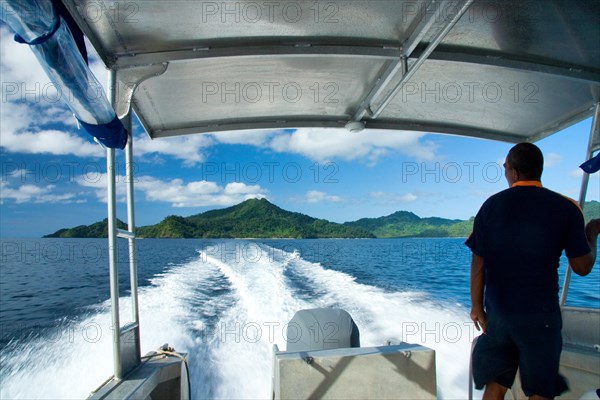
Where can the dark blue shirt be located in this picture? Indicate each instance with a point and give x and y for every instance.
(521, 233)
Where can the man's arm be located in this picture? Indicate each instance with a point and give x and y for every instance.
(477, 285)
(583, 265)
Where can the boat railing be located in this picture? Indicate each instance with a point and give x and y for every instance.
(593, 145)
(126, 339)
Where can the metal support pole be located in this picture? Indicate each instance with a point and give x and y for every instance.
(582, 193)
(131, 219)
(112, 241)
(112, 259)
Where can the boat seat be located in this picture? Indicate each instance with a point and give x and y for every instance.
(324, 360)
(321, 329)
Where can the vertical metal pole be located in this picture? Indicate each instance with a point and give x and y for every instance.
(112, 259)
(131, 219)
(582, 193)
(112, 242)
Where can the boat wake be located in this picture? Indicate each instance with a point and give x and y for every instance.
(226, 310)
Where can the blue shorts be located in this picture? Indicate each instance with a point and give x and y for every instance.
(530, 342)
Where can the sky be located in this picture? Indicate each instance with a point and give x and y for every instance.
(53, 175)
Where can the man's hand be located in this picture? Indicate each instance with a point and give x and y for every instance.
(479, 319)
(584, 264)
(477, 288)
(592, 229)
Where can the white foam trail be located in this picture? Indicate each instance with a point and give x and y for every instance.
(77, 357)
(243, 347)
(266, 296)
(58, 366)
(229, 336)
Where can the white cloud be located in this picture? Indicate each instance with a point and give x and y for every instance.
(29, 103)
(189, 149)
(551, 159)
(407, 197)
(96, 65)
(315, 196)
(315, 144)
(576, 173)
(369, 144)
(34, 194)
(50, 142)
(258, 138)
(199, 193)
(393, 198)
(18, 62)
(238, 188)
(23, 131)
(97, 181)
(180, 194)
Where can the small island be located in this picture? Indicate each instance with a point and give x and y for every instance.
(259, 218)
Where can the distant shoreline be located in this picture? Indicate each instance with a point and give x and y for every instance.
(258, 219)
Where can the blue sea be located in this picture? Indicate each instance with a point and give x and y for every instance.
(226, 303)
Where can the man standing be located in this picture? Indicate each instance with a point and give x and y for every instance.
(518, 237)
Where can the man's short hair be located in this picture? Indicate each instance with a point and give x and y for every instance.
(528, 159)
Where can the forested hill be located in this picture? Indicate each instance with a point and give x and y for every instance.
(96, 230)
(407, 224)
(252, 218)
(261, 219)
(591, 210)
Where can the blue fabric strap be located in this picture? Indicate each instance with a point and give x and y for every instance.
(44, 37)
(112, 134)
(592, 165)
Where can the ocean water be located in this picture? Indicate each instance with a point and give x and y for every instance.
(226, 303)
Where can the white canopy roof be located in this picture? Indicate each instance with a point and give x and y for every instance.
(509, 70)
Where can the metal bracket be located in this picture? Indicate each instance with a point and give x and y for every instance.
(399, 68)
(128, 79)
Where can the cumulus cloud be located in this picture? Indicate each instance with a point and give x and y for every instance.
(189, 149)
(258, 138)
(551, 159)
(24, 130)
(576, 173)
(320, 145)
(199, 193)
(30, 104)
(393, 198)
(50, 142)
(35, 194)
(369, 144)
(18, 61)
(315, 196)
(315, 144)
(181, 194)
(96, 181)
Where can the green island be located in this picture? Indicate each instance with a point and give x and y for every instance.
(258, 218)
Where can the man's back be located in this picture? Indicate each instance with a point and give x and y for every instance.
(521, 233)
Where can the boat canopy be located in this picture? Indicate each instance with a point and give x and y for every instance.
(508, 70)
